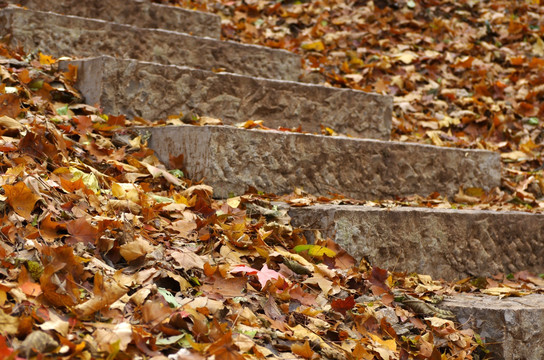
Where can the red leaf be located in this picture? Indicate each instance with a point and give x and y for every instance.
(343, 305)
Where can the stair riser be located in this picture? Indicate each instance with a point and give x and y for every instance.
(231, 159)
(61, 35)
(154, 91)
(513, 328)
(143, 14)
(443, 243)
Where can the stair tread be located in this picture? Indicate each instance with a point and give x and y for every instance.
(446, 243)
(231, 159)
(134, 88)
(513, 327)
(67, 35)
(143, 14)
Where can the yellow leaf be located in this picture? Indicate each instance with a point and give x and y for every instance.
(315, 250)
(117, 190)
(8, 324)
(90, 180)
(514, 156)
(406, 57)
(314, 45)
(234, 202)
(538, 46)
(46, 59)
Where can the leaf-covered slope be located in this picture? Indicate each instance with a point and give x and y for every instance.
(106, 254)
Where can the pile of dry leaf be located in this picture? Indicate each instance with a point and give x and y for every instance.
(106, 254)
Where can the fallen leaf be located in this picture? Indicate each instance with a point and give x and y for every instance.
(21, 199)
(135, 249)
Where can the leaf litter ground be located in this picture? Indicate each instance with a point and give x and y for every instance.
(106, 254)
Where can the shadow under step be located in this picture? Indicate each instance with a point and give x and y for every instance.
(65, 35)
(232, 159)
(512, 327)
(155, 91)
(144, 14)
(444, 243)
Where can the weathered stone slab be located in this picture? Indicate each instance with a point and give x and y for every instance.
(64, 35)
(154, 91)
(144, 14)
(444, 243)
(512, 328)
(231, 159)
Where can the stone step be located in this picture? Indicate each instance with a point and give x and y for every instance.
(65, 35)
(154, 91)
(231, 159)
(140, 13)
(512, 327)
(444, 243)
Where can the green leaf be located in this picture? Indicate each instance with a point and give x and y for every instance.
(176, 172)
(161, 199)
(63, 110)
(533, 121)
(169, 340)
(315, 250)
(170, 299)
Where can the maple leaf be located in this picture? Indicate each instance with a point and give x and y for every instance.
(10, 105)
(343, 305)
(263, 275)
(303, 350)
(21, 199)
(81, 231)
(223, 349)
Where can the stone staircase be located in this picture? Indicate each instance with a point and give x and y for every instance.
(149, 60)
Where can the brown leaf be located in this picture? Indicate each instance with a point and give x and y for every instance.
(106, 292)
(135, 249)
(224, 349)
(81, 231)
(10, 126)
(10, 105)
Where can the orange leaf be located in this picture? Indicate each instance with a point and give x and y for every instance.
(31, 288)
(71, 74)
(46, 59)
(303, 350)
(209, 270)
(51, 230)
(24, 76)
(72, 186)
(21, 199)
(527, 109)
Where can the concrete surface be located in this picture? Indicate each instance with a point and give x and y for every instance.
(154, 91)
(444, 243)
(64, 35)
(231, 159)
(141, 13)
